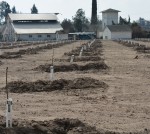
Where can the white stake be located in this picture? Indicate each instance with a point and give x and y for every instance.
(9, 113)
(81, 51)
(72, 58)
(51, 73)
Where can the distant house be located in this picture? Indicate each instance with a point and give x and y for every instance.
(117, 32)
(31, 27)
(110, 29)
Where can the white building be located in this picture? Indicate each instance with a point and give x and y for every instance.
(110, 28)
(31, 27)
(117, 32)
(109, 17)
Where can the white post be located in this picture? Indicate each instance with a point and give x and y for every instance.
(51, 73)
(84, 47)
(9, 113)
(81, 51)
(72, 58)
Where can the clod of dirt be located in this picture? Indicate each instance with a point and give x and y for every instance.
(73, 67)
(61, 84)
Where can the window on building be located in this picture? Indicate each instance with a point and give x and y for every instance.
(48, 36)
(39, 36)
(30, 36)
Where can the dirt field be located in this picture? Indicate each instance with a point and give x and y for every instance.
(123, 107)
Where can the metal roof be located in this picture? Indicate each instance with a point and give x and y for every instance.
(110, 10)
(119, 28)
(25, 17)
(37, 28)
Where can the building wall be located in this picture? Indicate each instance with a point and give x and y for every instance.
(36, 37)
(107, 18)
(62, 36)
(106, 34)
(121, 35)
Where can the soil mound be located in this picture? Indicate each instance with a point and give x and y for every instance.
(73, 67)
(57, 126)
(61, 84)
(83, 58)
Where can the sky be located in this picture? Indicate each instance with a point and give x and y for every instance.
(68, 8)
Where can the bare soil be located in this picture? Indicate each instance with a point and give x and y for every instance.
(123, 109)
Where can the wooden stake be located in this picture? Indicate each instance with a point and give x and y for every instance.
(6, 83)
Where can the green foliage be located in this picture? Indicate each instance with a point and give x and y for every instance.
(80, 21)
(94, 12)
(14, 9)
(67, 26)
(34, 10)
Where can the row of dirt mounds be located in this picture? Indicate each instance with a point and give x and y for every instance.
(56, 126)
(83, 58)
(18, 54)
(136, 46)
(94, 50)
(73, 67)
(60, 84)
(21, 44)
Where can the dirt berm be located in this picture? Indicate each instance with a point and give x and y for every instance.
(73, 67)
(61, 84)
(83, 58)
(57, 126)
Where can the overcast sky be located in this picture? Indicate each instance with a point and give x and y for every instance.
(68, 8)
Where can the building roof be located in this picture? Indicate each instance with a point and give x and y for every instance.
(110, 10)
(119, 28)
(25, 17)
(36, 28)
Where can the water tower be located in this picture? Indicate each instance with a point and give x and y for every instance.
(109, 17)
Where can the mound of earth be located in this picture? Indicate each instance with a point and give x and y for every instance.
(73, 67)
(57, 126)
(83, 58)
(61, 84)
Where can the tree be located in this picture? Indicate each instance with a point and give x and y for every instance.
(34, 10)
(67, 26)
(80, 21)
(14, 9)
(94, 12)
(4, 10)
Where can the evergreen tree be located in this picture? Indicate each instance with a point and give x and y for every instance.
(34, 10)
(67, 26)
(80, 21)
(14, 9)
(94, 12)
(7, 10)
